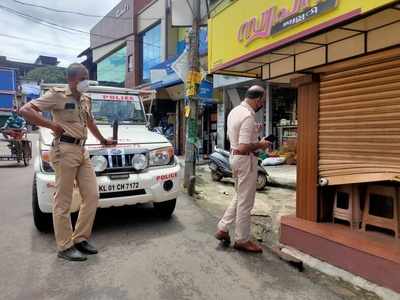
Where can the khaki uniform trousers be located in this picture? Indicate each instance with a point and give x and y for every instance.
(72, 164)
(244, 168)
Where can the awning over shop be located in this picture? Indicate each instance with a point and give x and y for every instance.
(162, 84)
(284, 50)
(163, 76)
(165, 84)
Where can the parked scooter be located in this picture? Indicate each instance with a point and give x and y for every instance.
(220, 168)
(165, 129)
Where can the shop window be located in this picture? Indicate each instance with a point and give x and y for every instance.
(111, 70)
(150, 51)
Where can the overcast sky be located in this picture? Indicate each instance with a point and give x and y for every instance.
(64, 45)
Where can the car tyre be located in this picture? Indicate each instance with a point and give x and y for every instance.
(165, 209)
(43, 221)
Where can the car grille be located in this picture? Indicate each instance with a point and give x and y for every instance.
(118, 159)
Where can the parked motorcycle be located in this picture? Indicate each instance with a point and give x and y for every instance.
(220, 168)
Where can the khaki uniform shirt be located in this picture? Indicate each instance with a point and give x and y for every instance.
(72, 115)
(242, 126)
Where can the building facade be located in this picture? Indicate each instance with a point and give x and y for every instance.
(128, 41)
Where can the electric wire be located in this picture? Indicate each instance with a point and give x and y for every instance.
(74, 12)
(63, 28)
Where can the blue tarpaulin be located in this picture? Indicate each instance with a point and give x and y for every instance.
(31, 91)
(170, 78)
(166, 64)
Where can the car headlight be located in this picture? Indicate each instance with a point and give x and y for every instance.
(99, 163)
(161, 157)
(139, 162)
(45, 160)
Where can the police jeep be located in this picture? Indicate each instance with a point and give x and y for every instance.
(141, 168)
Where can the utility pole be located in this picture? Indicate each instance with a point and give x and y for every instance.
(191, 87)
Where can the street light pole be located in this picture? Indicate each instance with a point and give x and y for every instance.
(192, 81)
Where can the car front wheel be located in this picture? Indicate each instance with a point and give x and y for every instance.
(43, 221)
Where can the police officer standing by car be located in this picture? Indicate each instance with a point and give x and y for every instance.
(71, 111)
(242, 133)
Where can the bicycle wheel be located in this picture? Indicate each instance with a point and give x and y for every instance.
(27, 152)
(18, 151)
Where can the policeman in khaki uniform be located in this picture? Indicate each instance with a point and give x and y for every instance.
(71, 111)
(242, 133)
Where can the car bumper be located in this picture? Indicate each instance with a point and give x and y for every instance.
(149, 188)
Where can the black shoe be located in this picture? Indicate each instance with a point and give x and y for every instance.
(72, 254)
(86, 248)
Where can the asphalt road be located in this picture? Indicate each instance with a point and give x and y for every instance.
(141, 257)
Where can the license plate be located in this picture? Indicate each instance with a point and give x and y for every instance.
(118, 187)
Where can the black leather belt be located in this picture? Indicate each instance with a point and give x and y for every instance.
(71, 140)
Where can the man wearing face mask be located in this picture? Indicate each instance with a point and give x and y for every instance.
(242, 133)
(71, 111)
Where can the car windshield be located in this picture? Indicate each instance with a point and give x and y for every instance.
(126, 109)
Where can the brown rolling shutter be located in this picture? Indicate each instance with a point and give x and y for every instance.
(359, 119)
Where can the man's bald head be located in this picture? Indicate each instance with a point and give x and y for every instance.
(76, 70)
(255, 97)
(76, 73)
(255, 92)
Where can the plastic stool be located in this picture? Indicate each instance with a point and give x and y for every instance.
(378, 221)
(352, 213)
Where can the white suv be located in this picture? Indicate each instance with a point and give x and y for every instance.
(141, 168)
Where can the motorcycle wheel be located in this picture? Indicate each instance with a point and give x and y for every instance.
(261, 181)
(216, 176)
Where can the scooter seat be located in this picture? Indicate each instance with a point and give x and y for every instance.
(222, 152)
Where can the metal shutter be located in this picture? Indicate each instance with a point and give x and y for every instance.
(359, 121)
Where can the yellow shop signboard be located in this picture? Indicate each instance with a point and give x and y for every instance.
(251, 27)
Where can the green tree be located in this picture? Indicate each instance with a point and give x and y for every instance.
(49, 74)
